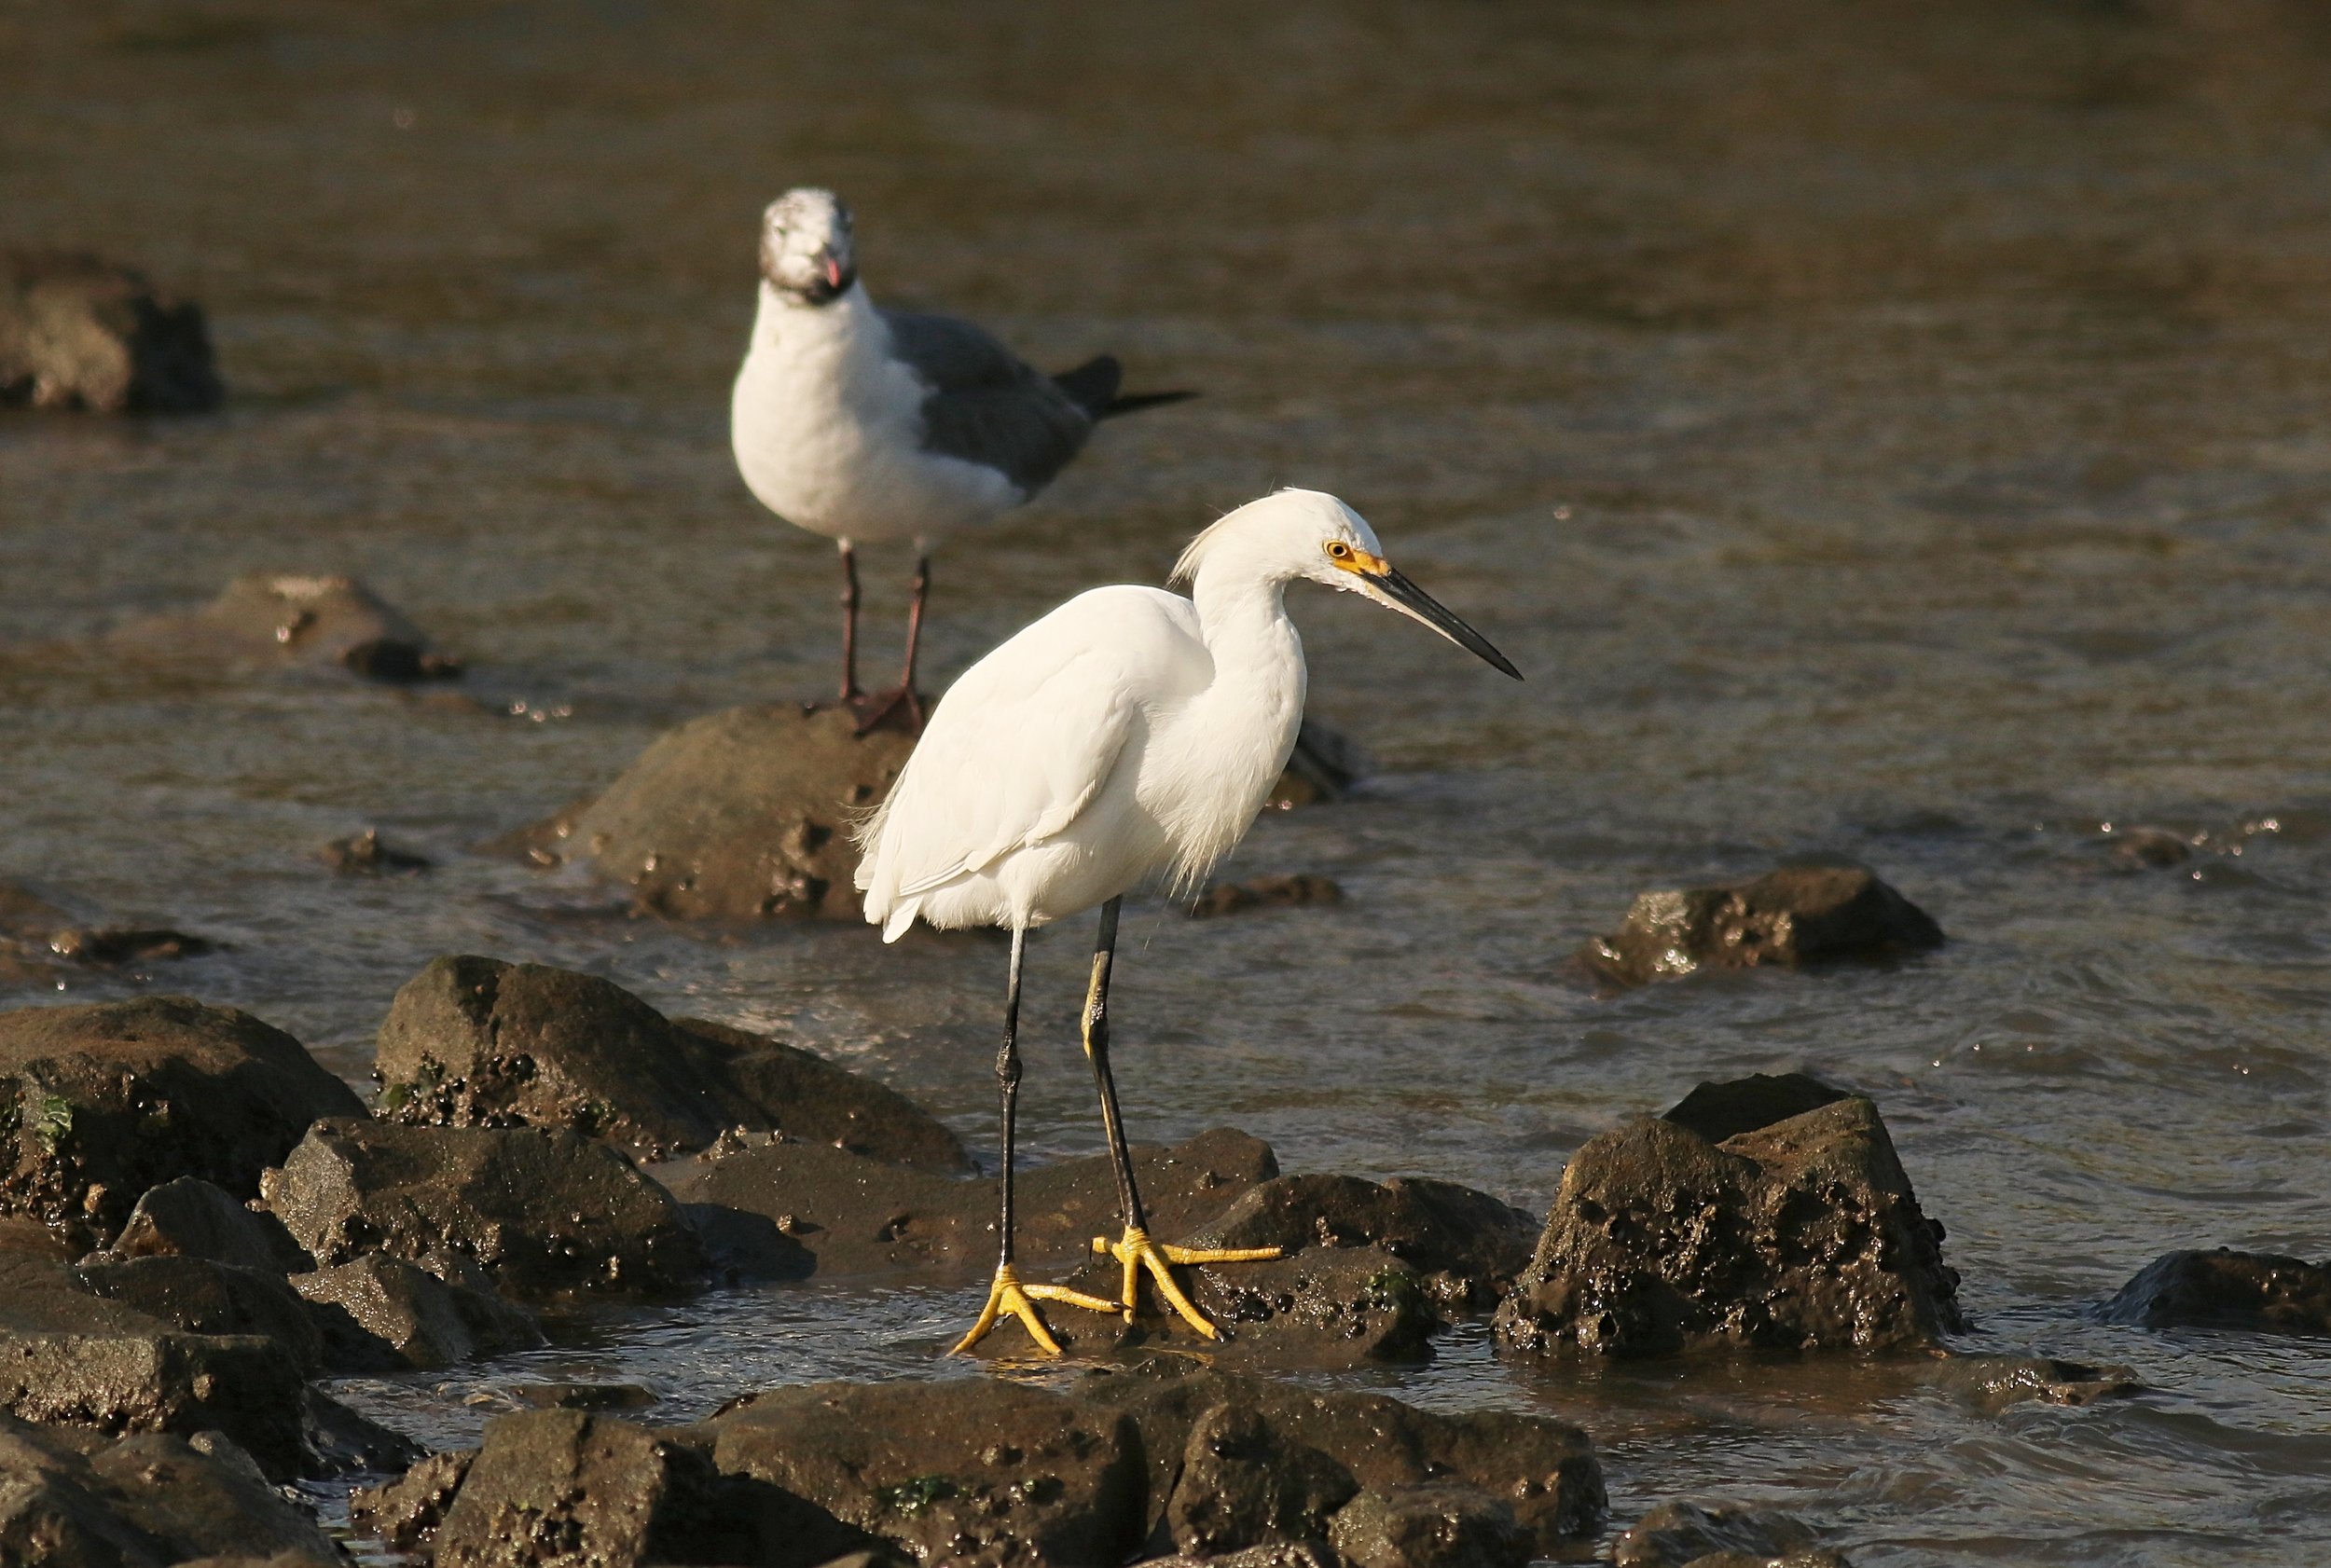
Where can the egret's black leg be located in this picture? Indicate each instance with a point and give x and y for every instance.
(1135, 1249)
(849, 624)
(1007, 1294)
(1096, 1049)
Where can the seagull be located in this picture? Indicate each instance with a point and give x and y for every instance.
(1130, 734)
(872, 425)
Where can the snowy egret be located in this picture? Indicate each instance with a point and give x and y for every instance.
(1130, 734)
(865, 425)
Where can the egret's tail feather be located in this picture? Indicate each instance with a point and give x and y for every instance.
(901, 917)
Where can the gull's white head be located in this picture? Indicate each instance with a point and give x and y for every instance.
(805, 249)
(1311, 534)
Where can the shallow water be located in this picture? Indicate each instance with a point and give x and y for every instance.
(1894, 431)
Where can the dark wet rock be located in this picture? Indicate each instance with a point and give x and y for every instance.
(1279, 1554)
(1467, 1246)
(804, 1096)
(36, 936)
(100, 1102)
(1325, 765)
(474, 1041)
(75, 1499)
(71, 1357)
(124, 944)
(2142, 848)
(740, 1246)
(385, 1312)
(855, 1216)
(202, 1297)
(734, 815)
(1331, 1307)
(1265, 893)
(573, 1489)
(207, 1496)
(78, 332)
(337, 1441)
(1543, 1469)
(971, 1471)
(406, 1513)
(1432, 1526)
(1242, 1484)
(1794, 915)
(365, 854)
(531, 1212)
(1994, 1383)
(1681, 1534)
(583, 1396)
(1726, 1110)
(190, 1217)
(1801, 1234)
(293, 619)
(2262, 1292)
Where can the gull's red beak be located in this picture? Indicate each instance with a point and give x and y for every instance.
(834, 272)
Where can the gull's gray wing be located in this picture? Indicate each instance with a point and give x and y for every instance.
(984, 405)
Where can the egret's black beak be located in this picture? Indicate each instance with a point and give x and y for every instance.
(1419, 605)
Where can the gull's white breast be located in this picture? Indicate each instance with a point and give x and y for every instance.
(827, 428)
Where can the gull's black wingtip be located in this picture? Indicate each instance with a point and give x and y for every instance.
(1093, 387)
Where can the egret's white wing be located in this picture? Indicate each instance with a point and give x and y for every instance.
(1025, 740)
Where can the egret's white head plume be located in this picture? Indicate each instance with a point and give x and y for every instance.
(806, 248)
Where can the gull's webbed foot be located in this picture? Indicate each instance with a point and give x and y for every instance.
(901, 709)
(1008, 1295)
(1136, 1252)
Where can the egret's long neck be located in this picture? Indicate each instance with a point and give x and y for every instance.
(1254, 704)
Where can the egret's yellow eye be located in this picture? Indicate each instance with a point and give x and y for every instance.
(1338, 550)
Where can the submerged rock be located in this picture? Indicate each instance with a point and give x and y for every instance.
(1682, 1534)
(384, 1313)
(1795, 915)
(1265, 893)
(1800, 1235)
(37, 938)
(2263, 1292)
(1543, 1471)
(78, 332)
(287, 619)
(474, 1041)
(534, 1213)
(733, 816)
(855, 1216)
(365, 854)
(100, 1102)
(1994, 1383)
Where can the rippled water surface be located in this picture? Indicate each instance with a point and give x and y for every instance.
(1889, 430)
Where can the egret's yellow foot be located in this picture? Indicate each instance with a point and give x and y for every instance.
(1008, 1295)
(1136, 1251)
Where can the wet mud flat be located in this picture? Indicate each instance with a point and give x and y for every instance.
(1889, 437)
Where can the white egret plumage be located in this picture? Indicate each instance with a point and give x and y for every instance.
(1130, 734)
(871, 425)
